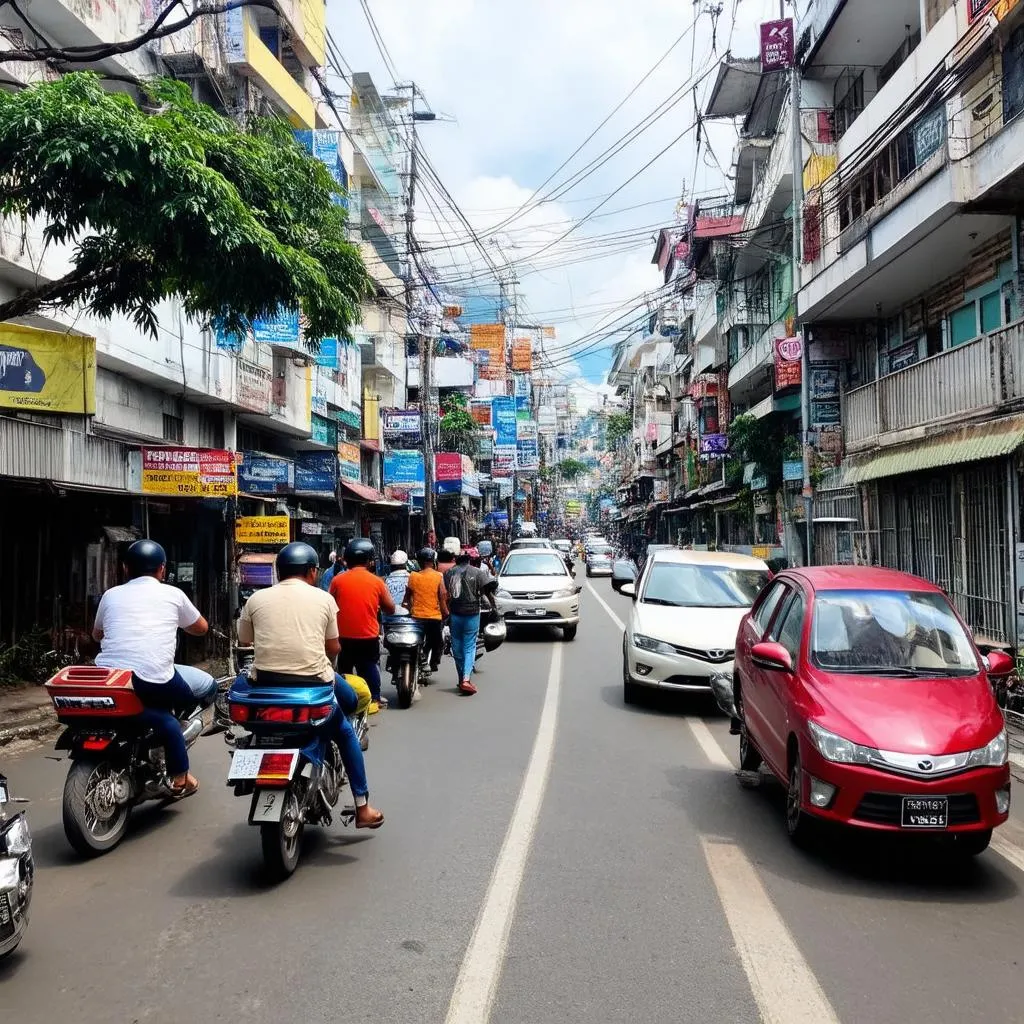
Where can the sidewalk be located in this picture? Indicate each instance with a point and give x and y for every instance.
(1015, 734)
(26, 718)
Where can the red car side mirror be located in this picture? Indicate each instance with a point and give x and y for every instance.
(772, 656)
(999, 663)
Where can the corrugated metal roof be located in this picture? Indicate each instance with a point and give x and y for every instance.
(976, 443)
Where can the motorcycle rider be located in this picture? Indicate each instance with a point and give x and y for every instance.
(427, 601)
(294, 629)
(137, 627)
(398, 579)
(361, 597)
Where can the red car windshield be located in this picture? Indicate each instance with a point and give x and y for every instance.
(889, 633)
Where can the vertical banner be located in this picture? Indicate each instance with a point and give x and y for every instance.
(788, 356)
(522, 355)
(488, 343)
(777, 45)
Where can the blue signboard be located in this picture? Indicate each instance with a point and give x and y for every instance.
(264, 474)
(282, 328)
(225, 339)
(793, 470)
(503, 419)
(328, 353)
(322, 144)
(403, 467)
(316, 473)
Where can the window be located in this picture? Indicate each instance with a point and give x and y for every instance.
(991, 312)
(764, 612)
(851, 105)
(963, 324)
(530, 563)
(789, 626)
(681, 585)
(174, 428)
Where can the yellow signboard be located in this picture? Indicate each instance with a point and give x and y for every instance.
(189, 472)
(263, 530)
(762, 551)
(47, 371)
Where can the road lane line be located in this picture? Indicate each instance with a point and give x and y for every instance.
(1009, 851)
(480, 971)
(604, 604)
(783, 984)
(707, 742)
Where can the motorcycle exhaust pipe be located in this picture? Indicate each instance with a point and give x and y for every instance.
(193, 729)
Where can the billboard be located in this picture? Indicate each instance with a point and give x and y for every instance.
(189, 472)
(265, 474)
(522, 355)
(488, 344)
(47, 371)
(404, 467)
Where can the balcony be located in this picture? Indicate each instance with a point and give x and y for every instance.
(962, 384)
(306, 21)
(773, 187)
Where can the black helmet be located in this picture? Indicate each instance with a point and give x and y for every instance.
(144, 558)
(426, 556)
(359, 551)
(296, 559)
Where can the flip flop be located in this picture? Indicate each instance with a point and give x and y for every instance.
(188, 789)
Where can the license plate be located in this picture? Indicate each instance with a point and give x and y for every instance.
(263, 765)
(925, 812)
(267, 805)
(6, 917)
(531, 612)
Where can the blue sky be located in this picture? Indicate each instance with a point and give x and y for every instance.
(526, 81)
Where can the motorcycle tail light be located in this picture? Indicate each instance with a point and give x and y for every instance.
(96, 743)
(320, 713)
(286, 715)
(238, 712)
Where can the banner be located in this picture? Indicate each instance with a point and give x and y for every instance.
(316, 473)
(47, 371)
(282, 328)
(527, 455)
(263, 530)
(488, 342)
(522, 355)
(480, 410)
(503, 460)
(253, 386)
(189, 472)
(402, 425)
(521, 385)
(404, 468)
(776, 45)
(788, 366)
(265, 474)
(348, 455)
(503, 416)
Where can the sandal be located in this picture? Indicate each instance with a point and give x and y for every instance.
(188, 788)
(374, 823)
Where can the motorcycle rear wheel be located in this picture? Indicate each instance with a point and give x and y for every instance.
(282, 840)
(404, 685)
(87, 832)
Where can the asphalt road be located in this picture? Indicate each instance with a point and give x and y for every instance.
(549, 855)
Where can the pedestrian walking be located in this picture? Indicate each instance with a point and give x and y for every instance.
(468, 588)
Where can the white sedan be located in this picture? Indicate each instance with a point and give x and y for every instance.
(535, 588)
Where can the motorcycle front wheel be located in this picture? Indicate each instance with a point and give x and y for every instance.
(404, 685)
(93, 822)
(282, 840)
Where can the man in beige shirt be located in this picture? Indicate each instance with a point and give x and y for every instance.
(293, 627)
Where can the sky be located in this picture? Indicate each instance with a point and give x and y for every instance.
(524, 83)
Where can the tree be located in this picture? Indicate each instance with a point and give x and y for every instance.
(458, 428)
(620, 426)
(572, 469)
(177, 201)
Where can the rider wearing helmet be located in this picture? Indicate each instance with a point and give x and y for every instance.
(137, 627)
(294, 630)
(398, 578)
(361, 597)
(427, 601)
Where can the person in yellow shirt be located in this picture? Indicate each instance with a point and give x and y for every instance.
(427, 601)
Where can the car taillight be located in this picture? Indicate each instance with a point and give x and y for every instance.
(238, 712)
(272, 714)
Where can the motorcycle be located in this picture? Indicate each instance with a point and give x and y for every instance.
(404, 643)
(287, 761)
(117, 760)
(16, 870)
(493, 633)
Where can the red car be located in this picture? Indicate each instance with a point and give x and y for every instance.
(862, 691)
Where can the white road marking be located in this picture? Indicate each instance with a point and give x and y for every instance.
(1009, 851)
(707, 741)
(783, 984)
(604, 604)
(477, 982)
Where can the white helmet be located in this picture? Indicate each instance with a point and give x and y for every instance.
(399, 560)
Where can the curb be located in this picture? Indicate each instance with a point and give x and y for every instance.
(34, 723)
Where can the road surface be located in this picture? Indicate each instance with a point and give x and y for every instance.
(549, 855)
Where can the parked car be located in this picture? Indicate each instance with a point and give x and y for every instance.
(687, 607)
(862, 690)
(599, 560)
(624, 571)
(536, 589)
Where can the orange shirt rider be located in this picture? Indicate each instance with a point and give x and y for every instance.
(360, 597)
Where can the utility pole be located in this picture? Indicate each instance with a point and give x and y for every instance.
(424, 347)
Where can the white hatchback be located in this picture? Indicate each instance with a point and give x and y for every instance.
(687, 608)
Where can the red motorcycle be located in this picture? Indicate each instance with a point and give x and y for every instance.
(116, 760)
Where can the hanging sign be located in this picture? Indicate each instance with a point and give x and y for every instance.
(189, 472)
(263, 530)
(777, 45)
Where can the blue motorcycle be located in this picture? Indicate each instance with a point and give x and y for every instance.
(287, 761)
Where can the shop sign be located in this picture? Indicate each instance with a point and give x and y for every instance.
(480, 410)
(348, 453)
(521, 385)
(929, 133)
(522, 355)
(281, 328)
(189, 472)
(447, 467)
(316, 473)
(503, 460)
(759, 483)
(264, 474)
(404, 467)
(47, 371)
(776, 45)
(714, 444)
(254, 386)
(311, 528)
(503, 416)
(527, 455)
(999, 8)
(488, 344)
(402, 424)
(526, 429)
(327, 354)
(825, 414)
(485, 444)
(788, 357)
(323, 430)
(263, 530)
(660, 492)
(349, 419)
(762, 551)
(793, 470)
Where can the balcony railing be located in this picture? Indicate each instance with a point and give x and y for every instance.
(963, 382)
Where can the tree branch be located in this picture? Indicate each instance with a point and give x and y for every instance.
(50, 294)
(103, 51)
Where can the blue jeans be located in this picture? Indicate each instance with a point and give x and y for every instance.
(348, 742)
(361, 657)
(162, 703)
(465, 630)
(202, 684)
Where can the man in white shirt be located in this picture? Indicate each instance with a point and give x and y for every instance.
(137, 627)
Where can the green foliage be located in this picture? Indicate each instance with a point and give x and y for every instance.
(765, 442)
(572, 469)
(620, 426)
(176, 201)
(458, 428)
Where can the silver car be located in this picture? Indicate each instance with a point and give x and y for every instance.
(536, 589)
(600, 559)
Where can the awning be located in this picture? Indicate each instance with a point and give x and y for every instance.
(993, 440)
(360, 492)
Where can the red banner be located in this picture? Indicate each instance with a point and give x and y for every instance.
(788, 362)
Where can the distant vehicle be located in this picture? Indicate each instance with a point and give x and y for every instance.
(861, 689)
(599, 559)
(594, 541)
(530, 542)
(687, 606)
(527, 529)
(535, 589)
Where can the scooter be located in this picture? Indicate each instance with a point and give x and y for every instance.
(404, 643)
(16, 871)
